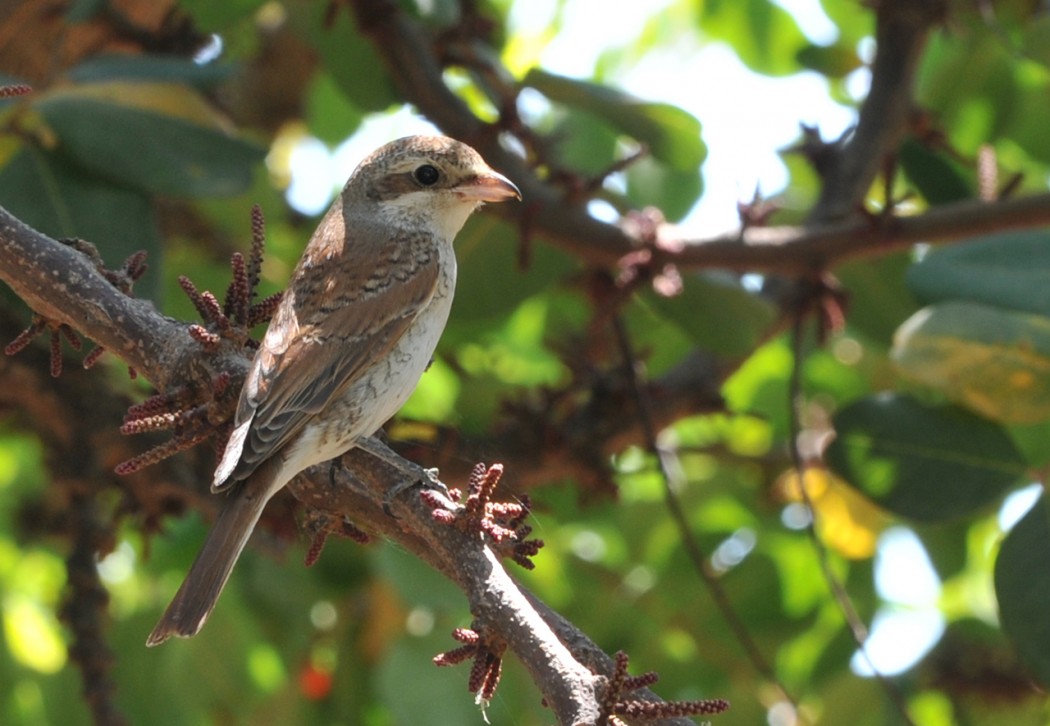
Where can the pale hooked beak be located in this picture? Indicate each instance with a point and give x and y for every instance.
(489, 186)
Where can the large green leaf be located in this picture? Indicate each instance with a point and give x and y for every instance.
(150, 68)
(49, 194)
(1008, 270)
(993, 361)
(583, 143)
(156, 137)
(1022, 586)
(926, 463)
(672, 135)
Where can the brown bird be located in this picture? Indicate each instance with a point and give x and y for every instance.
(355, 331)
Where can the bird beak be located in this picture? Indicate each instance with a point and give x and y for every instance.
(488, 186)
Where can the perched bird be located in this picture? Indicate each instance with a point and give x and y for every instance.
(354, 332)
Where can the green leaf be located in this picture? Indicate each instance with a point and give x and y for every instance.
(346, 54)
(1022, 587)
(879, 300)
(717, 314)
(491, 282)
(158, 138)
(993, 361)
(584, 143)
(1007, 270)
(56, 198)
(672, 135)
(926, 463)
(1036, 39)
(980, 63)
(673, 191)
(149, 68)
(763, 34)
(211, 16)
(939, 179)
(834, 61)
(330, 116)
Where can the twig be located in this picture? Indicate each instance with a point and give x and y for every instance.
(853, 620)
(697, 557)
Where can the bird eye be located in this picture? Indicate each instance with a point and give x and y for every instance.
(427, 175)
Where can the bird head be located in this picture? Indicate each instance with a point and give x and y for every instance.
(429, 181)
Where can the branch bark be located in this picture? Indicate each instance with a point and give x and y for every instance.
(63, 285)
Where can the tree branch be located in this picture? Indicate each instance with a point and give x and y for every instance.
(558, 656)
(835, 232)
(902, 27)
(63, 284)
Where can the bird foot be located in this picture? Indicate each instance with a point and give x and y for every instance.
(430, 480)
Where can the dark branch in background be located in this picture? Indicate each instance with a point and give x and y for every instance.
(837, 230)
(856, 625)
(85, 608)
(902, 28)
(697, 557)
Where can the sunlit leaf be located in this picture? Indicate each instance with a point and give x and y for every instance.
(32, 635)
(847, 522)
(993, 361)
(926, 463)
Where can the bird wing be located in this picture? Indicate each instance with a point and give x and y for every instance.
(347, 307)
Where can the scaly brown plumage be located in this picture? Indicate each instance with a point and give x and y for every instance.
(354, 332)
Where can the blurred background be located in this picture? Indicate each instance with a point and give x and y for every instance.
(157, 125)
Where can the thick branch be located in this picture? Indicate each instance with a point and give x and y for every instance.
(797, 249)
(62, 284)
(902, 29)
(553, 650)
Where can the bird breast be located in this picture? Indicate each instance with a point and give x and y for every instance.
(385, 387)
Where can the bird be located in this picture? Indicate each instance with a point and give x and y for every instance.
(353, 334)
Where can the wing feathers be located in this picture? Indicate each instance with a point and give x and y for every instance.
(343, 317)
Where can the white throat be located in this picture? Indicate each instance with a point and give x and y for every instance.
(446, 215)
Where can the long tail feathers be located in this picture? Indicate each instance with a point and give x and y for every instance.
(200, 590)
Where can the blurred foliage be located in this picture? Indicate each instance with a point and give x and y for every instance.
(937, 387)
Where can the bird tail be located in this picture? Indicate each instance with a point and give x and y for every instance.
(200, 590)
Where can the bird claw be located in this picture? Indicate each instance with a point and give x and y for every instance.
(430, 480)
